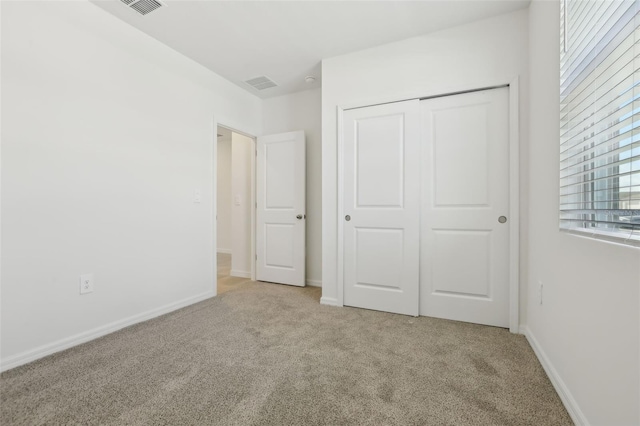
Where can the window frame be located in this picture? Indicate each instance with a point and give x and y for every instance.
(582, 173)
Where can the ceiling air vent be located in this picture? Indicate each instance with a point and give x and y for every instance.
(143, 7)
(261, 83)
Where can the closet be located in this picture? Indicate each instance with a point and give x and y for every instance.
(425, 205)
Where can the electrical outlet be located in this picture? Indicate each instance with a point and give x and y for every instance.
(86, 283)
(197, 196)
(540, 291)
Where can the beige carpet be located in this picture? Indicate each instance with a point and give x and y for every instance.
(266, 354)
(225, 281)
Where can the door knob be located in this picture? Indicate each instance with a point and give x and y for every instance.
(347, 218)
(502, 219)
(299, 217)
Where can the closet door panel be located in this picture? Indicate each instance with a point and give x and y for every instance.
(381, 207)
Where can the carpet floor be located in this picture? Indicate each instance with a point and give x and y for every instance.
(267, 354)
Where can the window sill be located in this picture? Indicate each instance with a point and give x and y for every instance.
(626, 240)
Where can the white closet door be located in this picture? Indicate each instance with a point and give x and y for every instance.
(464, 270)
(381, 207)
(280, 219)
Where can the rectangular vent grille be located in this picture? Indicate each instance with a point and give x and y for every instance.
(143, 7)
(261, 83)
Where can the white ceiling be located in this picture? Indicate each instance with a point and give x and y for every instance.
(287, 40)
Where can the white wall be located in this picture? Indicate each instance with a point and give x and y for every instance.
(242, 151)
(480, 54)
(302, 111)
(224, 195)
(106, 134)
(588, 324)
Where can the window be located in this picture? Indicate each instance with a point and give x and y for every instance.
(600, 118)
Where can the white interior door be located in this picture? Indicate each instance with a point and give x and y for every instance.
(381, 207)
(280, 218)
(464, 272)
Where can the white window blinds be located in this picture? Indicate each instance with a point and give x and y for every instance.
(600, 118)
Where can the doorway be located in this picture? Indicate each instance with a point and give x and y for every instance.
(260, 218)
(235, 189)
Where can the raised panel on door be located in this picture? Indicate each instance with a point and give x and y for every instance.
(279, 240)
(453, 248)
(280, 218)
(280, 179)
(464, 271)
(381, 207)
(379, 162)
(375, 268)
(460, 174)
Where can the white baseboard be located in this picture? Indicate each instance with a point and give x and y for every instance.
(314, 283)
(224, 251)
(240, 274)
(69, 342)
(565, 395)
(330, 301)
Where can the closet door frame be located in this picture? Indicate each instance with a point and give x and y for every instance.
(514, 187)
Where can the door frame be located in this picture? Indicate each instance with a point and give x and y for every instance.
(214, 157)
(514, 188)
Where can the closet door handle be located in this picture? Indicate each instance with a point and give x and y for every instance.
(347, 218)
